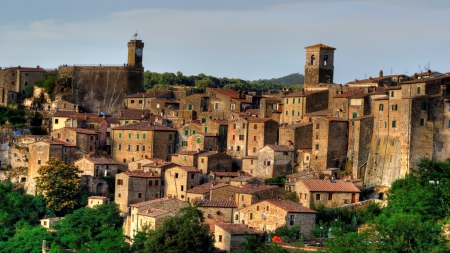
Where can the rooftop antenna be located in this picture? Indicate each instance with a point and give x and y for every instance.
(406, 71)
(428, 65)
(420, 70)
(391, 70)
(136, 35)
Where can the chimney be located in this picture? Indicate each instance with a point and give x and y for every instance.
(381, 73)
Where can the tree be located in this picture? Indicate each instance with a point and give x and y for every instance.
(60, 185)
(97, 229)
(186, 232)
(27, 239)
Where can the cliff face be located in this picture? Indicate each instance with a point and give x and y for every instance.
(102, 87)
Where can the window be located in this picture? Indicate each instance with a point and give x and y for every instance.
(293, 101)
(126, 122)
(120, 135)
(184, 143)
(140, 101)
(156, 183)
(355, 115)
(317, 196)
(119, 181)
(267, 208)
(192, 176)
(203, 160)
(132, 101)
(56, 121)
(185, 158)
(216, 106)
(317, 136)
(139, 195)
(39, 161)
(251, 216)
(317, 146)
(150, 182)
(120, 195)
(394, 107)
(251, 160)
(423, 106)
(287, 101)
(124, 160)
(380, 107)
(242, 198)
(137, 147)
(199, 140)
(206, 129)
(293, 112)
(241, 137)
(129, 148)
(220, 237)
(287, 113)
(313, 60)
(234, 137)
(418, 90)
(299, 100)
(130, 135)
(233, 107)
(170, 137)
(182, 188)
(144, 136)
(176, 175)
(422, 122)
(392, 93)
(317, 126)
(119, 147)
(291, 220)
(330, 196)
(190, 107)
(234, 126)
(254, 138)
(238, 148)
(257, 208)
(394, 124)
(203, 120)
(186, 132)
(138, 136)
(40, 148)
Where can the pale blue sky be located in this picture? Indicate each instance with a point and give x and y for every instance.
(236, 38)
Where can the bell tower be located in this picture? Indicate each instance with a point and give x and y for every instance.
(319, 65)
(135, 51)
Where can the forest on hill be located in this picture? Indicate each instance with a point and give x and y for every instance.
(162, 81)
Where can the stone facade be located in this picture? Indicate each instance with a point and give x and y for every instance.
(135, 187)
(93, 170)
(297, 104)
(179, 179)
(202, 141)
(268, 215)
(251, 193)
(319, 67)
(88, 141)
(274, 160)
(97, 200)
(217, 210)
(214, 161)
(231, 237)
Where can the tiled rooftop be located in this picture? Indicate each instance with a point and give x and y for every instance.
(153, 212)
(279, 148)
(291, 206)
(102, 160)
(218, 203)
(249, 188)
(137, 173)
(318, 185)
(145, 126)
(236, 228)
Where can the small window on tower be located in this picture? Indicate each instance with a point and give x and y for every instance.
(325, 59)
(313, 60)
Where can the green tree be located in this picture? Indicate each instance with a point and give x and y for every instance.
(27, 239)
(59, 184)
(186, 232)
(292, 196)
(97, 229)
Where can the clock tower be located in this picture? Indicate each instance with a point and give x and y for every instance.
(135, 51)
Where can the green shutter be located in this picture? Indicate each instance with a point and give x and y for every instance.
(299, 100)
(293, 112)
(189, 107)
(203, 120)
(130, 135)
(287, 101)
(286, 113)
(137, 136)
(144, 136)
(418, 90)
(199, 140)
(206, 129)
(193, 131)
(186, 132)
(126, 122)
(120, 135)
(355, 115)
(293, 101)
(394, 124)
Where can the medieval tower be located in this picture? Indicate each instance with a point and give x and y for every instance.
(319, 65)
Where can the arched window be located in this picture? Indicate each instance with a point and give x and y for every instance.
(313, 60)
(325, 59)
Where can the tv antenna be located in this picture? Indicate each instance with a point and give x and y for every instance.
(136, 35)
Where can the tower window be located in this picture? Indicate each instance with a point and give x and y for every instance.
(325, 59)
(313, 60)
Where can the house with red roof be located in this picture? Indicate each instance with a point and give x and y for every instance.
(249, 194)
(330, 193)
(268, 215)
(87, 140)
(217, 210)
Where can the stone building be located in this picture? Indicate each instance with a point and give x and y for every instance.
(246, 180)
(289, 184)
(214, 161)
(211, 191)
(93, 169)
(330, 193)
(249, 194)
(132, 221)
(319, 67)
(140, 140)
(135, 187)
(231, 237)
(88, 141)
(299, 138)
(144, 101)
(274, 160)
(149, 218)
(249, 164)
(268, 215)
(271, 107)
(219, 128)
(41, 152)
(103, 86)
(97, 200)
(14, 81)
(330, 143)
(184, 132)
(297, 104)
(202, 141)
(360, 138)
(223, 102)
(247, 135)
(186, 158)
(225, 177)
(177, 180)
(217, 210)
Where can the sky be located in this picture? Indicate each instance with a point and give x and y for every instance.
(247, 39)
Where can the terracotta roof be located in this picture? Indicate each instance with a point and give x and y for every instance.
(320, 113)
(226, 92)
(57, 142)
(279, 148)
(63, 113)
(151, 202)
(157, 164)
(249, 188)
(134, 114)
(318, 185)
(210, 153)
(321, 46)
(187, 152)
(220, 121)
(296, 125)
(243, 179)
(257, 119)
(152, 94)
(290, 206)
(167, 101)
(253, 111)
(81, 130)
(200, 189)
(114, 120)
(145, 126)
(153, 212)
(303, 174)
(236, 228)
(229, 174)
(97, 197)
(373, 79)
(189, 169)
(102, 160)
(218, 203)
(137, 173)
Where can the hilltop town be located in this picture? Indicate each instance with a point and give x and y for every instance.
(156, 152)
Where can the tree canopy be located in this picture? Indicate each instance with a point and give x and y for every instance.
(59, 184)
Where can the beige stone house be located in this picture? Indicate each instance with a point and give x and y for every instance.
(142, 140)
(136, 186)
(327, 192)
(291, 179)
(299, 138)
(97, 200)
(203, 141)
(214, 161)
(87, 140)
(250, 193)
(297, 104)
(217, 210)
(144, 100)
(150, 218)
(244, 180)
(93, 169)
(212, 191)
(249, 164)
(231, 237)
(225, 177)
(268, 215)
(274, 160)
(40, 154)
(178, 179)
